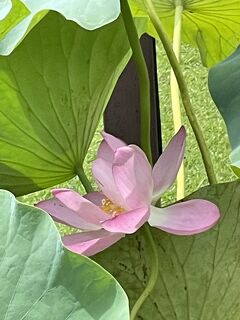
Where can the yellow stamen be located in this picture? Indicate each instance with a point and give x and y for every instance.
(110, 208)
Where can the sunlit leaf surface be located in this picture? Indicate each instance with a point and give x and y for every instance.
(5, 8)
(53, 90)
(213, 26)
(89, 14)
(11, 13)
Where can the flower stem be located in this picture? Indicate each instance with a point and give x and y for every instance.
(145, 110)
(175, 90)
(183, 90)
(143, 78)
(153, 274)
(84, 179)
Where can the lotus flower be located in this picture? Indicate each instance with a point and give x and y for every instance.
(129, 189)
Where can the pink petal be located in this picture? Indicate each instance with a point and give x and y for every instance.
(95, 197)
(133, 176)
(83, 207)
(185, 218)
(102, 172)
(108, 146)
(105, 152)
(92, 242)
(128, 222)
(113, 142)
(166, 168)
(64, 215)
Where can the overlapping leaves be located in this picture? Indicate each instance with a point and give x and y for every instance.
(198, 275)
(89, 14)
(212, 26)
(41, 280)
(53, 89)
(11, 13)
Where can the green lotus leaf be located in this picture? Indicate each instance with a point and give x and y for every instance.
(89, 14)
(211, 26)
(53, 90)
(198, 275)
(224, 79)
(11, 13)
(42, 280)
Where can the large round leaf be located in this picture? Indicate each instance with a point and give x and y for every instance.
(89, 14)
(224, 80)
(53, 90)
(212, 26)
(41, 280)
(199, 276)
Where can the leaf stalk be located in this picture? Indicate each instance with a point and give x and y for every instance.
(145, 116)
(183, 90)
(143, 77)
(84, 179)
(153, 274)
(176, 108)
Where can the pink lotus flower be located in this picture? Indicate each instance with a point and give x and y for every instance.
(128, 187)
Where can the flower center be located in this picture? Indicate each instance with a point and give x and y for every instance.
(111, 208)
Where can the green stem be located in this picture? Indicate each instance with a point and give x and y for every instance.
(176, 108)
(183, 90)
(153, 275)
(145, 110)
(84, 180)
(143, 78)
